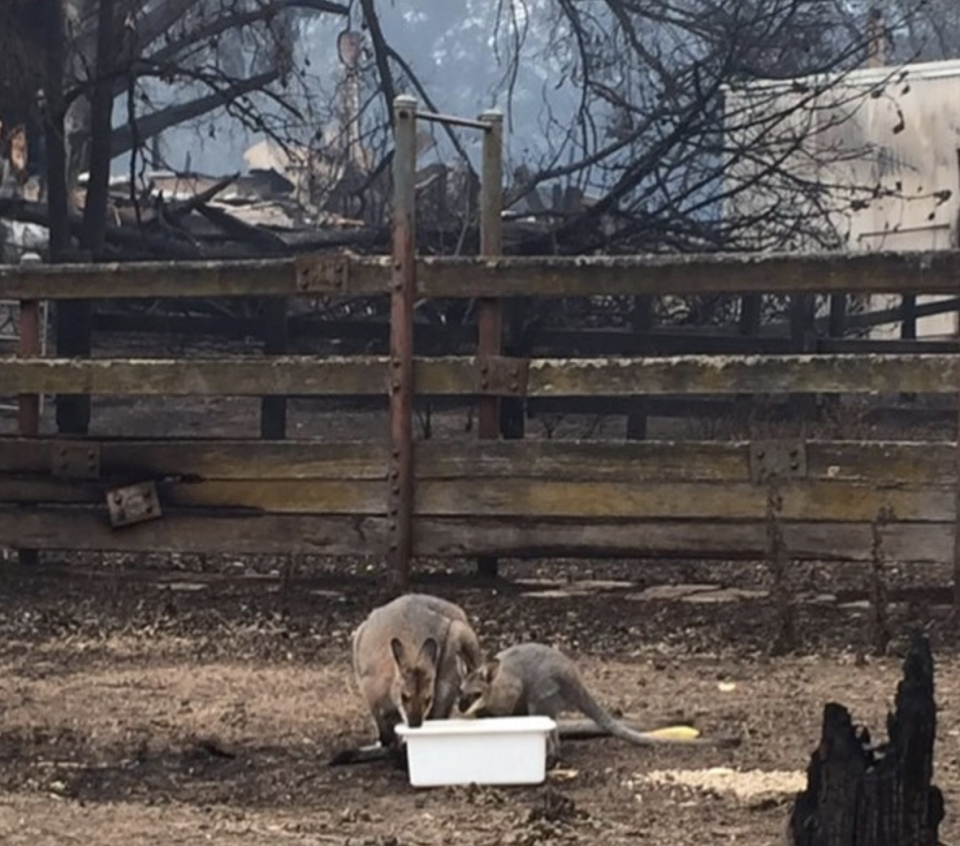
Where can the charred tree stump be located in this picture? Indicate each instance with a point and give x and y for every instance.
(875, 795)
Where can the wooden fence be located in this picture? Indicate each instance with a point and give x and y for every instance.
(502, 497)
(780, 499)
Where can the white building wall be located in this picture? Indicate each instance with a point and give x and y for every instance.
(908, 186)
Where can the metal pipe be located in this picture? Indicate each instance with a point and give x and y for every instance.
(452, 120)
(403, 286)
(489, 311)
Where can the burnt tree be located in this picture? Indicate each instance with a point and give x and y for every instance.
(875, 795)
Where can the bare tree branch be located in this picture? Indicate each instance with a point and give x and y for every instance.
(122, 138)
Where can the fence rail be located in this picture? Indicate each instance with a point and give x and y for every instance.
(509, 276)
(512, 498)
(488, 376)
(800, 498)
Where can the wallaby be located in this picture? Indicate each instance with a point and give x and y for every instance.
(408, 656)
(534, 679)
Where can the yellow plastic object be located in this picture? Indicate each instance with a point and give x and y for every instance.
(675, 733)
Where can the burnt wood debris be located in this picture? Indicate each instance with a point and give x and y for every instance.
(875, 794)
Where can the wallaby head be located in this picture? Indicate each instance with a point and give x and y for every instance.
(414, 681)
(476, 687)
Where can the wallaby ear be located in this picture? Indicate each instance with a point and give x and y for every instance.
(462, 669)
(396, 647)
(430, 650)
(491, 669)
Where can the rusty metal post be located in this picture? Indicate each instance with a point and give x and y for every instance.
(403, 286)
(489, 313)
(29, 404)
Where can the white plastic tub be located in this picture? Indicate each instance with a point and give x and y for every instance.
(492, 750)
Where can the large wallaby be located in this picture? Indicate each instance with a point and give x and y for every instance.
(534, 679)
(408, 656)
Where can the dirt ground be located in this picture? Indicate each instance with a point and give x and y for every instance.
(184, 699)
(168, 708)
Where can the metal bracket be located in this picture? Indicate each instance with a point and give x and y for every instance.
(75, 460)
(501, 376)
(322, 274)
(133, 504)
(780, 459)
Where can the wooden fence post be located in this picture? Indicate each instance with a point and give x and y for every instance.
(403, 286)
(751, 310)
(489, 313)
(273, 410)
(28, 412)
(803, 337)
(908, 330)
(73, 331)
(641, 320)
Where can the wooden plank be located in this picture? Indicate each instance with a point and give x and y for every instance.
(886, 346)
(697, 540)
(568, 276)
(834, 501)
(452, 376)
(786, 374)
(837, 501)
(308, 276)
(87, 529)
(275, 496)
(241, 376)
(273, 409)
(135, 459)
(577, 276)
(124, 460)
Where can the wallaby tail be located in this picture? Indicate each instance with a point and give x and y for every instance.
(603, 718)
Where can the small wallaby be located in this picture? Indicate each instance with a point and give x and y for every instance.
(408, 656)
(531, 678)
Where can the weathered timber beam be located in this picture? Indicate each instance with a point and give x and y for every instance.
(808, 500)
(87, 529)
(694, 374)
(452, 376)
(654, 275)
(681, 539)
(326, 274)
(120, 460)
(577, 276)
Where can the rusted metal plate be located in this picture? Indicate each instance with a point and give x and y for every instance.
(133, 504)
(322, 273)
(75, 460)
(502, 376)
(780, 459)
